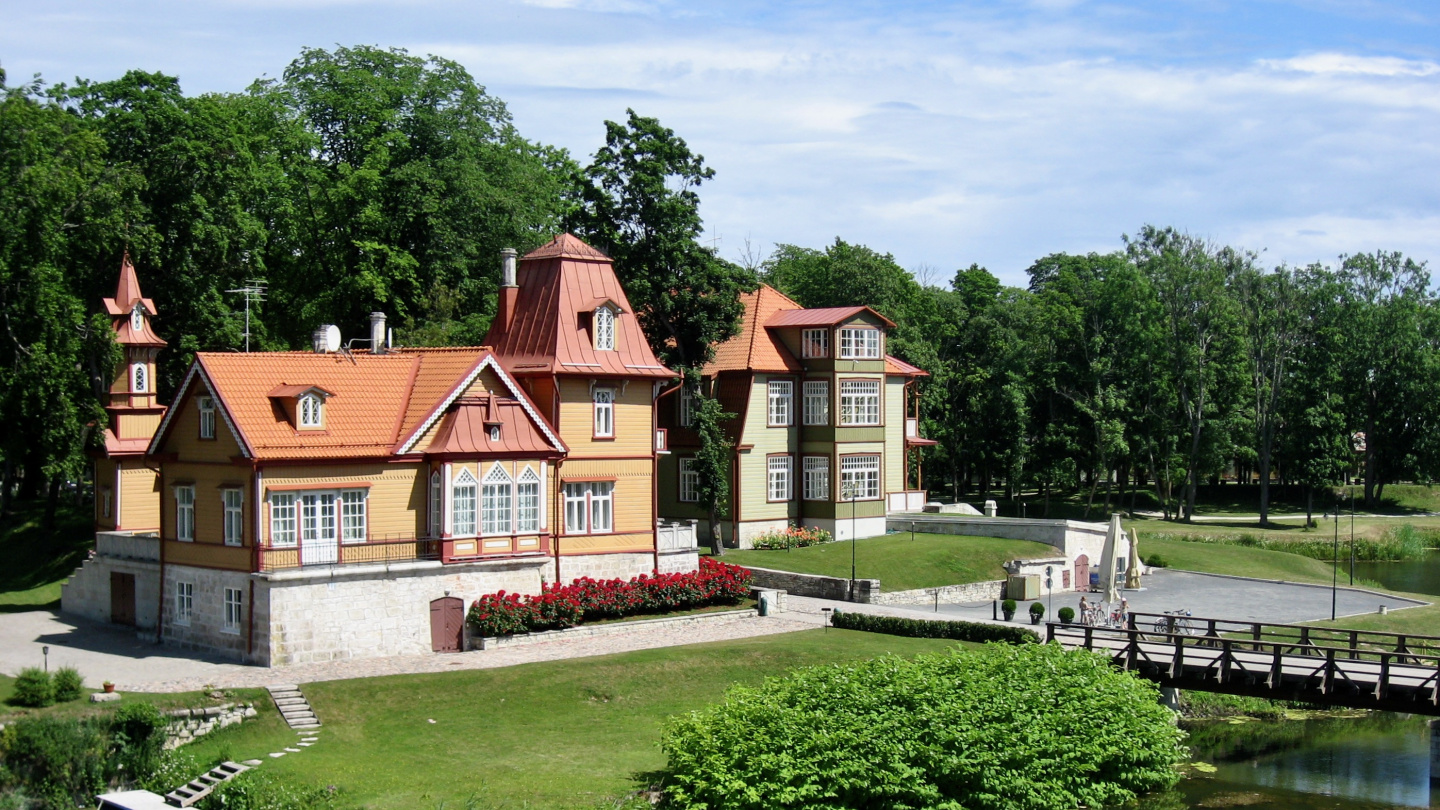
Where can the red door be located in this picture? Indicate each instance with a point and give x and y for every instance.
(447, 624)
(1082, 573)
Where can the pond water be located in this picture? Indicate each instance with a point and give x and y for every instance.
(1420, 576)
(1378, 762)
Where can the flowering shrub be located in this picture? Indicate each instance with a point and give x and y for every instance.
(559, 606)
(792, 537)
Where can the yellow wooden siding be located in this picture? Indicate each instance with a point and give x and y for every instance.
(139, 497)
(632, 494)
(584, 544)
(136, 425)
(894, 460)
(632, 419)
(184, 439)
(208, 555)
(209, 481)
(397, 500)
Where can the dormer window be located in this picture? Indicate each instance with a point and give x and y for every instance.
(138, 381)
(137, 319)
(494, 433)
(604, 329)
(312, 411)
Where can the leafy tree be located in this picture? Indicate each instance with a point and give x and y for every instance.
(1272, 316)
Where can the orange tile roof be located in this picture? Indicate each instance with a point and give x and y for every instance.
(755, 348)
(894, 365)
(545, 335)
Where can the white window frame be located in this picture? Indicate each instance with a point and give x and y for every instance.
(589, 507)
(184, 603)
(604, 404)
(232, 504)
(284, 520)
(137, 318)
(779, 477)
(689, 481)
(234, 611)
(437, 497)
(311, 411)
(529, 502)
(604, 322)
(814, 343)
(817, 478)
(781, 396)
(139, 378)
(185, 513)
(497, 502)
(206, 406)
(862, 474)
(860, 405)
(464, 505)
(860, 343)
(687, 406)
(354, 508)
(817, 402)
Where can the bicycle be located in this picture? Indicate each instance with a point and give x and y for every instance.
(1176, 622)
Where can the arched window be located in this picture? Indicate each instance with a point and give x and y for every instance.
(527, 502)
(138, 381)
(462, 505)
(496, 498)
(137, 319)
(604, 329)
(311, 414)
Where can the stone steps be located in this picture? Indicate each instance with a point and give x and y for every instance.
(293, 706)
(200, 787)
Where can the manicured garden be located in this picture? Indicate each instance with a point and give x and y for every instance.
(551, 735)
(900, 563)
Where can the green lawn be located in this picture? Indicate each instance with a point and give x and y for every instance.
(929, 561)
(549, 735)
(36, 562)
(1212, 558)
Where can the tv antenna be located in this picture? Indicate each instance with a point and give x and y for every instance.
(254, 292)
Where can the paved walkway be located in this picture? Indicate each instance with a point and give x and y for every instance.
(102, 651)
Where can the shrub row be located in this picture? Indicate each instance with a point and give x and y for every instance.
(792, 537)
(558, 606)
(925, 628)
(1005, 727)
(36, 688)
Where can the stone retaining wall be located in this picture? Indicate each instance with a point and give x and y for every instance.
(949, 594)
(613, 628)
(186, 725)
(814, 585)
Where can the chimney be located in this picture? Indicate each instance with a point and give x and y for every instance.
(377, 333)
(509, 290)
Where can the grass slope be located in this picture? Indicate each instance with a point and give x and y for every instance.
(548, 735)
(1240, 561)
(37, 562)
(929, 561)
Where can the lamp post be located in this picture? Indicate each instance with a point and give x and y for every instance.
(1335, 561)
(45, 651)
(1352, 536)
(847, 493)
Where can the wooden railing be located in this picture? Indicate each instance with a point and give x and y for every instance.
(1347, 668)
(375, 550)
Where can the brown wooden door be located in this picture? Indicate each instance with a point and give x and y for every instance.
(122, 598)
(447, 624)
(1082, 573)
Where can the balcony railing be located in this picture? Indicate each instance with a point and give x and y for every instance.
(375, 550)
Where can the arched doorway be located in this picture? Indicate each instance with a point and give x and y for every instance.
(447, 624)
(1082, 573)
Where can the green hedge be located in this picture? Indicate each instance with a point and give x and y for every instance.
(924, 628)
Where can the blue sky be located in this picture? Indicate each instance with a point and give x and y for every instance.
(943, 133)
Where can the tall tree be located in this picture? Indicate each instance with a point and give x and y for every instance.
(1271, 310)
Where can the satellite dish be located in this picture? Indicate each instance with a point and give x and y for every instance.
(332, 338)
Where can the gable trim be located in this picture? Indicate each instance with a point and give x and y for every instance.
(487, 361)
(163, 432)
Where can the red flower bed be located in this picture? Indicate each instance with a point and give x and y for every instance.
(559, 606)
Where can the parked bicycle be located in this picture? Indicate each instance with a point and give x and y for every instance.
(1177, 622)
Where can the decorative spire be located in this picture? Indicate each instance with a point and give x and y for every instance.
(122, 306)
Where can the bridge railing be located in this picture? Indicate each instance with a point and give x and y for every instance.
(1355, 644)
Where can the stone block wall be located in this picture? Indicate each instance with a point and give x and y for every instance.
(814, 585)
(679, 562)
(206, 627)
(188, 725)
(606, 566)
(87, 593)
(949, 594)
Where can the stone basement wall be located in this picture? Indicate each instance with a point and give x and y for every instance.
(949, 594)
(679, 562)
(814, 585)
(87, 592)
(606, 566)
(187, 725)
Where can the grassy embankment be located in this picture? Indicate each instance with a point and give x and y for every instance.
(36, 562)
(548, 735)
(901, 564)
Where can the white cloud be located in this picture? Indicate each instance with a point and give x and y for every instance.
(1345, 63)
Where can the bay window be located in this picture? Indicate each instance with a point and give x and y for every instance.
(860, 344)
(495, 498)
(462, 505)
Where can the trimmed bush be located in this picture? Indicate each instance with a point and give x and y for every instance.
(1156, 561)
(68, 683)
(33, 688)
(1008, 606)
(1028, 727)
(925, 628)
(1066, 614)
(1037, 609)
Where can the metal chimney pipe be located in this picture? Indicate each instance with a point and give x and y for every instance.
(377, 333)
(507, 267)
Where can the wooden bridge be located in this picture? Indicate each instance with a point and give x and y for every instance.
(1351, 668)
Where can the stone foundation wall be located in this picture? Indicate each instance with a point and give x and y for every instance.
(87, 593)
(949, 594)
(187, 725)
(607, 566)
(206, 627)
(679, 562)
(814, 585)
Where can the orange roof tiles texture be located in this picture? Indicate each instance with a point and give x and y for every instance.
(755, 348)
